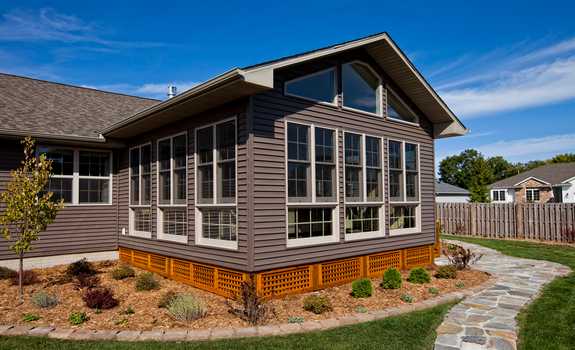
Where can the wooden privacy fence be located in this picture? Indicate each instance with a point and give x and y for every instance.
(545, 222)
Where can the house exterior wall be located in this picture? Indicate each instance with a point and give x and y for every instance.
(442, 198)
(269, 113)
(569, 192)
(509, 195)
(77, 229)
(545, 192)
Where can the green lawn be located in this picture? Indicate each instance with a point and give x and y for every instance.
(549, 322)
(415, 330)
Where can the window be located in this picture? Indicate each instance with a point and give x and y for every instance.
(363, 186)
(319, 86)
(172, 188)
(498, 195)
(403, 187)
(216, 221)
(532, 195)
(361, 88)
(141, 190)
(311, 184)
(398, 110)
(80, 176)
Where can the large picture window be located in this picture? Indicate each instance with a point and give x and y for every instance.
(172, 188)
(398, 110)
(404, 190)
(311, 184)
(80, 176)
(320, 86)
(141, 190)
(216, 221)
(363, 186)
(361, 88)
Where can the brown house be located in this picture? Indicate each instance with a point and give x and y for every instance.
(307, 171)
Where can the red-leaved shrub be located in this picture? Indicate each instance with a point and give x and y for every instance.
(99, 298)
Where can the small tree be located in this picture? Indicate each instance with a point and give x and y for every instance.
(28, 208)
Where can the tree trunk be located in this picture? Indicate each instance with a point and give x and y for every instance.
(21, 275)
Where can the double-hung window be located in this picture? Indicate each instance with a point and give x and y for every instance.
(404, 191)
(216, 212)
(498, 195)
(80, 176)
(363, 186)
(172, 188)
(141, 191)
(533, 195)
(311, 184)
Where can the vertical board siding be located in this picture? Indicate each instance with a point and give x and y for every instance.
(270, 111)
(77, 229)
(553, 222)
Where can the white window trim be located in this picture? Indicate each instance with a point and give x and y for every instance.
(335, 84)
(200, 240)
(131, 223)
(389, 89)
(379, 91)
(405, 202)
(532, 190)
(365, 202)
(160, 206)
(302, 242)
(76, 175)
(499, 191)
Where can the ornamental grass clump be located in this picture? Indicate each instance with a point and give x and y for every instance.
(146, 281)
(446, 272)
(317, 304)
(361, 288)
(99, 298)
(391, 279)
(122, 272)
(419, 275)
(186, 307)
(44, 300)
(248, 305)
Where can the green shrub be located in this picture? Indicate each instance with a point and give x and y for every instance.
(186, 307)
(28, 277)
(123, 271)
(128, 311)
(44, 300)
(433, 291)
(460, 285)
(296, 319)
(166, 299)
(361, 288)
(77, 318)
(317, 304)
(30, 317)
(81, 267)
(99, 298)
(406, 298)
(419, 275)
(6, 273)
(146, 281)
(446, 271)
(361, 309)
(391, 279)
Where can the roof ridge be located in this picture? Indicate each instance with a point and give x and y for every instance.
(79, 87)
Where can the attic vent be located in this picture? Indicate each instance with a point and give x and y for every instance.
(172, 91)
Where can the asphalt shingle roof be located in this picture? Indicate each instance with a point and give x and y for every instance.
(445, 188)
(551, 173)
(56, 109)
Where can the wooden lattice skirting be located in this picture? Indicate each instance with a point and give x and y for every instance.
(278, 282)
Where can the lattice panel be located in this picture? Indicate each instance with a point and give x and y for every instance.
(182, 270)
(203, 276)
(230, 282)
(340, 271)
(159, 264)
(140, 259)
(125, 255)
(378, 263)
(287, 281)
(418, 256)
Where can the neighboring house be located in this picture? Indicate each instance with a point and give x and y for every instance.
(309, 170)
(447, 193)
(552, 183)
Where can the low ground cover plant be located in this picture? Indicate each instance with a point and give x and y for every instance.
(419, 275)
(146, 281)
(28, 278)
(122, 272)
(296, 319)
(81, 267)
(433, 291)
(99, 298)
(44, 300)
(446, 271)
(77, 318)
(30, 317)
(391, 279)
(361, 288)
(407, 298)
(317, 304)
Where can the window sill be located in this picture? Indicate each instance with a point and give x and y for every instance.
(363, 235)
(402, 121)
(351, 109)
(404, 231)
(140, 234)
(304, 242)
(66, 205)
(309, 204)
(217, 243)
(173, 238)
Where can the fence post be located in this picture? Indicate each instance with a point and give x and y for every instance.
(519, 229)
(472, 220)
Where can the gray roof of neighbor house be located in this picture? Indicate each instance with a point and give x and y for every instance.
(552, 174)
(47, 109)
(442, 188)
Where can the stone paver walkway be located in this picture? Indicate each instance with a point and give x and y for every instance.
(486, 319)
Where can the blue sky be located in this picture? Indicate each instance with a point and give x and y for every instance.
(506, 68)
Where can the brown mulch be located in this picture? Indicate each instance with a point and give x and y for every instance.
(148, 316)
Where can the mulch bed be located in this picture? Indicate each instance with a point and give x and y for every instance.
(148, 316)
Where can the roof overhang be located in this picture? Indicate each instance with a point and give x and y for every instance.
(532, 178)
(99, 142)
(238, 83)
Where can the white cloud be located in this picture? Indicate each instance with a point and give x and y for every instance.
(151, 90)
(530, 148)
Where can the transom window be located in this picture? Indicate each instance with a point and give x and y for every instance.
(498, 195)
(403, 187)
(216, 222)
(361, 88)
(311, 184)
(79, 176)
(320, 86)
(140, 190)
(172, 188)
(363, 186)
(398, 110)
(533, 195)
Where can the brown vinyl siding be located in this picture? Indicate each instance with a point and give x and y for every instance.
(221, 257)
(270, 111)
(77, 229)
